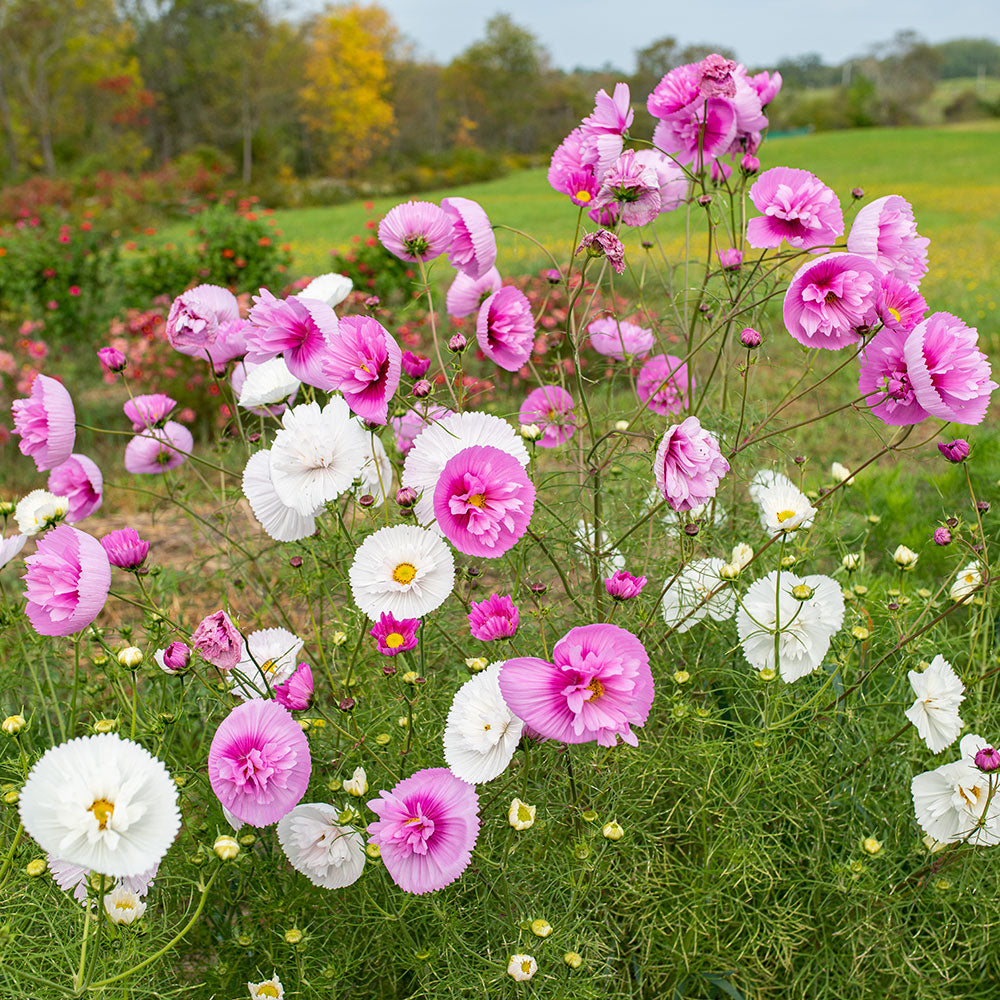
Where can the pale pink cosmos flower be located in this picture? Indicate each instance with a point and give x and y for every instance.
(885, 381)
(670, 177)
(416, 230)
(766, 84)
(495, 618)
(602, 131)
(689, 465)
(296, 694)
(675, 92)
(473, 247)
(413, 421)
(67, 581)
(125, 549)
(231, 342)
(46, 423)
(604, 244)
(218, 641)
(831, 300)
(572, 170)
(197, 315)
(80, 481)
(899, 305)
(157, 450)
(699, 133)
(663, 384)
(151, 410)
(297, 329)
(505, 328)
(466, 295)
(597, 687)
(798, 209)
(634, 187)
(426, 829)
(618, 338)
(364, 363)
(551, 408)
(885, 232)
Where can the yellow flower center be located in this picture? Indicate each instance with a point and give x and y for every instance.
(103, 810)
(583, 196)
(596, 689)
(894, 313)
(267, 990)
(478, 500)
(487, 727)
(267, 666)
(523, 813)
(971, 796)
(124, 904)
(404, 573)
(394, 640)
(784, 515)
(526, 967)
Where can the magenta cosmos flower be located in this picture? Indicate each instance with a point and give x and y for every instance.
(196, 317)
(466, 295)
(798, 209)
(112, 359)
(633, 187)
(886, 233)
(125, 549)
(505, 328)
(830, 300)
(218, 641)
(885, 381)
(689, 465)
(663, 384)
(416, 230)
(46, 423)
(67, 581)
(415, 365)
(426, 829)
(483, 501)
(473, 247)
(598, 686)
(551, 407)
(611, 115)
(622, 586)
(258, 763)
(766, 84)
(80, 481)
(364, 363)
(699, 132)
(159, 449)
(618, 338)
(297, 329)
(296, 693)
(899, 305)
(573, 169)
(394, 635)
(495, 618)
(151, 410)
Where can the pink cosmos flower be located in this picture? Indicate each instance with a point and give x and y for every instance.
(364, 363)
(67, 581)
(176, 657)
(618, 338)
(413, 421)
(416, 230)
(297, 329)
(675, 92)
(715, 76)
(466, 295)
(80, 481)
(885, 232)
(831, 299)
(495, 618)
(663, 384)
(197, 315)
(731, 259)
(46, 423)
(766, 84)
(597, 687)
(622, 586)
(611, 115)
(296, 694)
(483, 501)
(258, 763)
(635, 189)
(698, 133)
(231, 342)
(218, 641)
(415, 365)
(604, 244)
(689, 465)
(394, 635)
(956, 451)
(125, 549)
(551, 407)
(798, 208)
(951, 377)
(427, 827)
(899, 305)
(155, 451)
(885, 380)
(572, 170)
(670, 177)
(505, 328)
(473, 247)
(112, 359)
(149, 411)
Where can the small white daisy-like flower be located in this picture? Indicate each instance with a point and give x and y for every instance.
(521, 816)
(281, 522)
(405, 570)
(39, 510)
(950, 802)
(316, 455)
(357, 783)
(782, 505)
(521, 967)
(269, 989)
(442, 440)
(330, 854)
(331, 288)
(103, 803)
(269, 658)
(123, 906)
(11, 547)
(935, 712)
(686, 601)
(841, 474)
(968, 579)
(481, 733)
(804, 624)
(267, 383)
(586, 539)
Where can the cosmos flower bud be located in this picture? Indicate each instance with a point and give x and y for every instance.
(905, 558)
(749, 164)
(750, 338)
(113, 359)
(704, 200)
(573, 959)
(176, 657)
(802, 592)
(612, 830)
(366, 500)
(541, 928)
(987, 759)
(531, 432)
(955, 451)
(457, 344)
(406, 496)
(857, 193)
(226, 848)
(13, 725)
(521, 816)
(851, 561)
(942, 536)
(421, 388)
(130, 657)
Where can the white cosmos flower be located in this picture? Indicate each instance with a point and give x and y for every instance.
(357, 783)
(935, 712)
(268, 989)
(443, 439)
(405, 570)
(267, 383)
(268, 653)
(103, 803)
(330, 854)
(39, 510)
(804, 627)
(481, 733)
(609, 560)
(376, 473)
(521, 967)
(281, 522)
(331, 288)
(521, 816)
(782, 505)
(316, 455)
(950, 802)
(968, 579)
(123, 906)
(689, 591)
(11, 547)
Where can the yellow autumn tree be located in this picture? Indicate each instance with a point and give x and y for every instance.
(344, 103)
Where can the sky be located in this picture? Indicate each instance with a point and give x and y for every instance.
(588, 32)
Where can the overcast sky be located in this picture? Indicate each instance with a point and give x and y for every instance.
(592, 32)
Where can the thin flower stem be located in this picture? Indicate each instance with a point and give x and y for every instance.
(434, 334)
